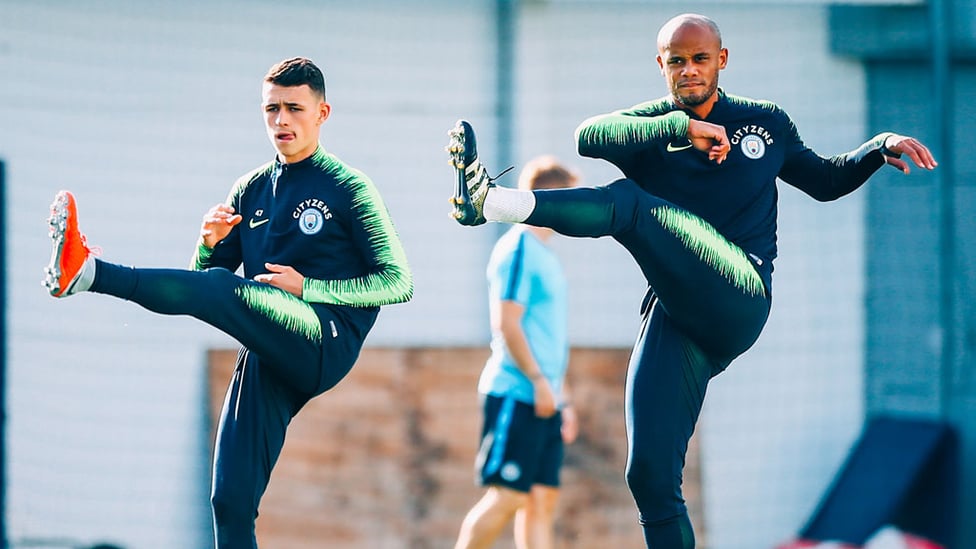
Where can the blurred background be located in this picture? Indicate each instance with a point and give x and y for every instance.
(149, 111)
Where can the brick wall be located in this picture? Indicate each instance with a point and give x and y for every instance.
(385, 460)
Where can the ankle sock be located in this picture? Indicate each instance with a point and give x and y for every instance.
(508, 205)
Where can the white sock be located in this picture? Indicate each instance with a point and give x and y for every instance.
(508, 205)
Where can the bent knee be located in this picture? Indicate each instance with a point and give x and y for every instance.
(232, 508)
(656, 489)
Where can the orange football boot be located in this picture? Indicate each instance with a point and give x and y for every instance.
(70, 253)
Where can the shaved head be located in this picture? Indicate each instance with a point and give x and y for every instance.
(686, 20)
(690, 55)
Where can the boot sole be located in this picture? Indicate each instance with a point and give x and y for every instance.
(58, 223)
(464, 212)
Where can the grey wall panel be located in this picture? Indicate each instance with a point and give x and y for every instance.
(961, 381)
(894, 31)
(905, 370)
(920, 346)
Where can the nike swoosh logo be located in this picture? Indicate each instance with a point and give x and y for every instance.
(255, 224)
(672, 148)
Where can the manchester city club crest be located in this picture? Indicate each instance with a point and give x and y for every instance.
(311, 214)
(753, 147)
(310, 221)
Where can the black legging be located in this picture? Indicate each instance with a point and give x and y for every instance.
(292, 352)
(709, 305)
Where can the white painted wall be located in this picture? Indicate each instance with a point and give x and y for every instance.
(150, 111)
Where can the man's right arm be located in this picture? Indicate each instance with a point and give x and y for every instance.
(212, 251)
(508, 315)
(620, 134)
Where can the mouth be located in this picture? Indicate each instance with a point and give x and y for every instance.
(284, 136)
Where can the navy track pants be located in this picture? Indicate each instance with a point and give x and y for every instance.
(292, 351)
(707, 304)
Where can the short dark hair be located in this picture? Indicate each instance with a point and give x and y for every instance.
(297, 71)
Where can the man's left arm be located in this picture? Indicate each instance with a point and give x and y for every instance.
(827, 179)
(388, 280)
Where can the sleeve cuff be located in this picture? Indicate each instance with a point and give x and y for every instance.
(876, 143)
(884, 149)
(202, 258)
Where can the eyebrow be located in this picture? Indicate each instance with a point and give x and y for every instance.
(284, 103)
(676, 56)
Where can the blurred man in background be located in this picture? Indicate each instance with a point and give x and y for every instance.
(527, 412)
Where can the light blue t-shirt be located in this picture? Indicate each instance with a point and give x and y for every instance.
(524, 270)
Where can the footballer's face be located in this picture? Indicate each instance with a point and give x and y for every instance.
(292, 117)
(690, 58)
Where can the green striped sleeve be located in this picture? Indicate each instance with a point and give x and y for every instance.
(390, 280)
(624, 132)
(201, 257)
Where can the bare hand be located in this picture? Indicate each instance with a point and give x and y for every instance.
(217, 223)
(283, 277)
(913, 148)
(545, 400)
(709, 138)
(570, 428)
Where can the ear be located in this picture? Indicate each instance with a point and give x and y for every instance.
(325, 110)
(660, 63)
(723, 58)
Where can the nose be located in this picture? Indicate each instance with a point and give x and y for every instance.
(281, 119)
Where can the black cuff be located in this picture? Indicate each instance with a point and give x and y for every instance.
(885, 150)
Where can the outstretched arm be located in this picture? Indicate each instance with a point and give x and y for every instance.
(830, 178)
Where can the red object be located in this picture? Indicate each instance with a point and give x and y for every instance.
(915, 542)
(909, 542)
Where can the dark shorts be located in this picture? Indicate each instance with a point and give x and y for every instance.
(518, 449)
